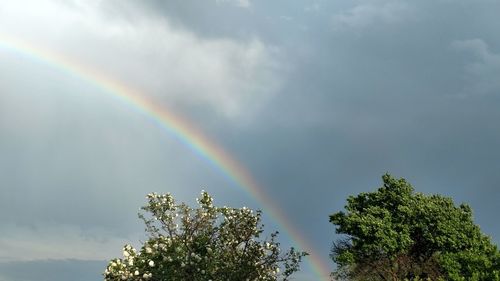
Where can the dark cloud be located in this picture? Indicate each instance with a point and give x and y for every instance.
(399, 95)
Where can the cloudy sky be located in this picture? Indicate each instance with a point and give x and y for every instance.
(317, 99)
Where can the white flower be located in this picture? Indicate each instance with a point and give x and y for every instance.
(151, 263)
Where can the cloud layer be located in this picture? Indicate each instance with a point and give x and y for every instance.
(130, 44)
(317, 99)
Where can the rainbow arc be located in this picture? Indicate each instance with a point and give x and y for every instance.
(177, 127)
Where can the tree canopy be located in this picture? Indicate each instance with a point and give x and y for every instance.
(204, 243)
(396, 233)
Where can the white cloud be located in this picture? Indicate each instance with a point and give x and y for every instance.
(58, 243)
(239, 3)
(377, 12)
(477, 46)
(314, 7)
(482, 74)
(232, 78)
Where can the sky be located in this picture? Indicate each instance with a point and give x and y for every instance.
(314, 99)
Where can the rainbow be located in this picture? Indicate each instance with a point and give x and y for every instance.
(175, 126)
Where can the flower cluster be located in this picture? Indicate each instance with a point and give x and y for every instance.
(206, 243)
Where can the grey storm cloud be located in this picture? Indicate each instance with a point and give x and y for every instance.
(484, 70)
(317, 98)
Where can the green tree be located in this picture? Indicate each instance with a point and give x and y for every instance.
(200, 244)
(396, 233)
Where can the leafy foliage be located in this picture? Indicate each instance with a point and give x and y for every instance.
(395, 233)
(206, 243)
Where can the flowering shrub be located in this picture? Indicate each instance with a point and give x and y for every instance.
(207, 243)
